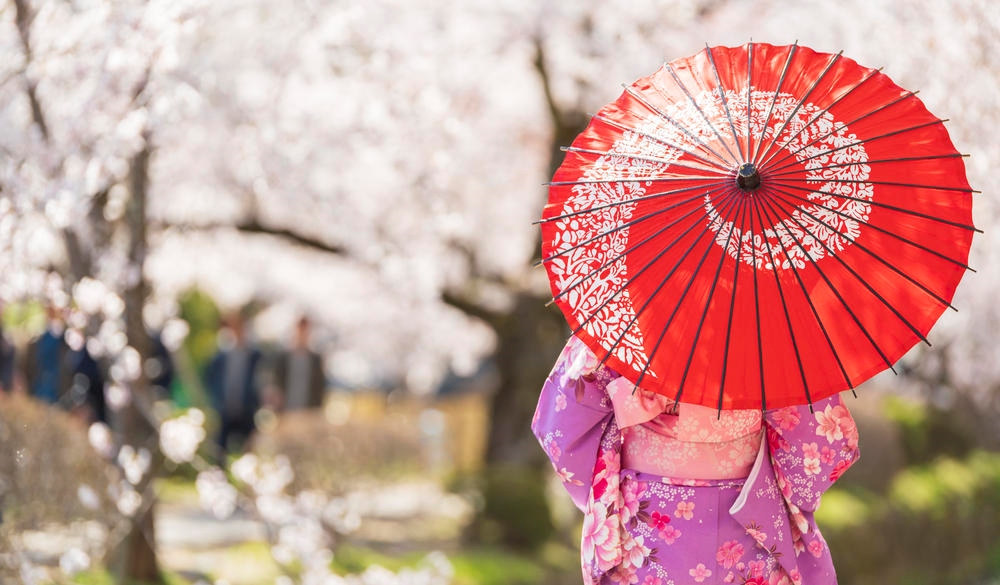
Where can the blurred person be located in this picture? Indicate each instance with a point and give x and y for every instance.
(298, 379)
(85, 396)
(46, 364)
(8, 356)
(231, 381)
(64, 374)
(160, 368)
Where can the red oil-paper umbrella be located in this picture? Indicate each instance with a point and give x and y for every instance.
(757, 227)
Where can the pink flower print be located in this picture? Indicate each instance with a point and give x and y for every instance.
(553, 449)
(729, 553)
(755, 581)
(827, 455)
(799, 522)
(810, 452)
(623, 574)
(787, 418)
(839, 470)
(795, 576)
(755, 568)
(783, 485)
(700, 573)
(815, 548)
(579, 361)
(779, 578)
(729, 578)
(775, 442)
(669, 534)
(600, 537)
(851, 434)
(658, 521)
(605, 480)
(685, 510)
(833, 421)
(567, 476)
(560, 402)
(599, 483)
(651, 580)
(631, 492)
(758, 535)
(634, 551)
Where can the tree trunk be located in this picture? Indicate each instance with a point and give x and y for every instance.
(530, 337)
(136, 558)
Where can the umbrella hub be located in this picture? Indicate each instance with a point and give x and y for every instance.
(747, 177)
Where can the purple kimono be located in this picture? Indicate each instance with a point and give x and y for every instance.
(654, 530)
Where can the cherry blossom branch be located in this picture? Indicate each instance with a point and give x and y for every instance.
(254, 226)
(23, 17)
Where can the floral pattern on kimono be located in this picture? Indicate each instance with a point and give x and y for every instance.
(653, 530)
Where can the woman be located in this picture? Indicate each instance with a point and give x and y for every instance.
(677, 494)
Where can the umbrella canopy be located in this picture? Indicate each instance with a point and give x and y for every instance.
(757, 227)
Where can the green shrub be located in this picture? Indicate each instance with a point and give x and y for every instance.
(45, 462)
(938, 524)
(927, 432)
(515, 509)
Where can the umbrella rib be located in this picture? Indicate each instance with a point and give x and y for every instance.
(642, 100)
(836, 292)
(619, 227)
(844, 146)
(880, 258)
(651, 159)
(630, 249)
(805, 293)
(843, 126)
(774, 99)
(694, 103)
(799, 105)
(653, 179)
(756, 308)
(708, 302)
(749, 85)
(625, 201)
(708, 248)
(884, 206)
(853, 272)
(663, 282)
(725, 103)
(656, 138)
(788, 317)
(732, 304)
(783, 172)
(787, 180)
(871, 75)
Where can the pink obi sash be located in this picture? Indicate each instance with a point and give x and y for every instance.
(697, 442)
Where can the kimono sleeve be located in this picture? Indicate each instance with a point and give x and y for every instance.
(572, 415)
(810, 450)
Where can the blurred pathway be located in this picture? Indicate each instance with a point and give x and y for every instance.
(416, 515)
(198, 546)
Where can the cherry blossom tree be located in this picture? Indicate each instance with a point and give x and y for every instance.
(84, 86)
